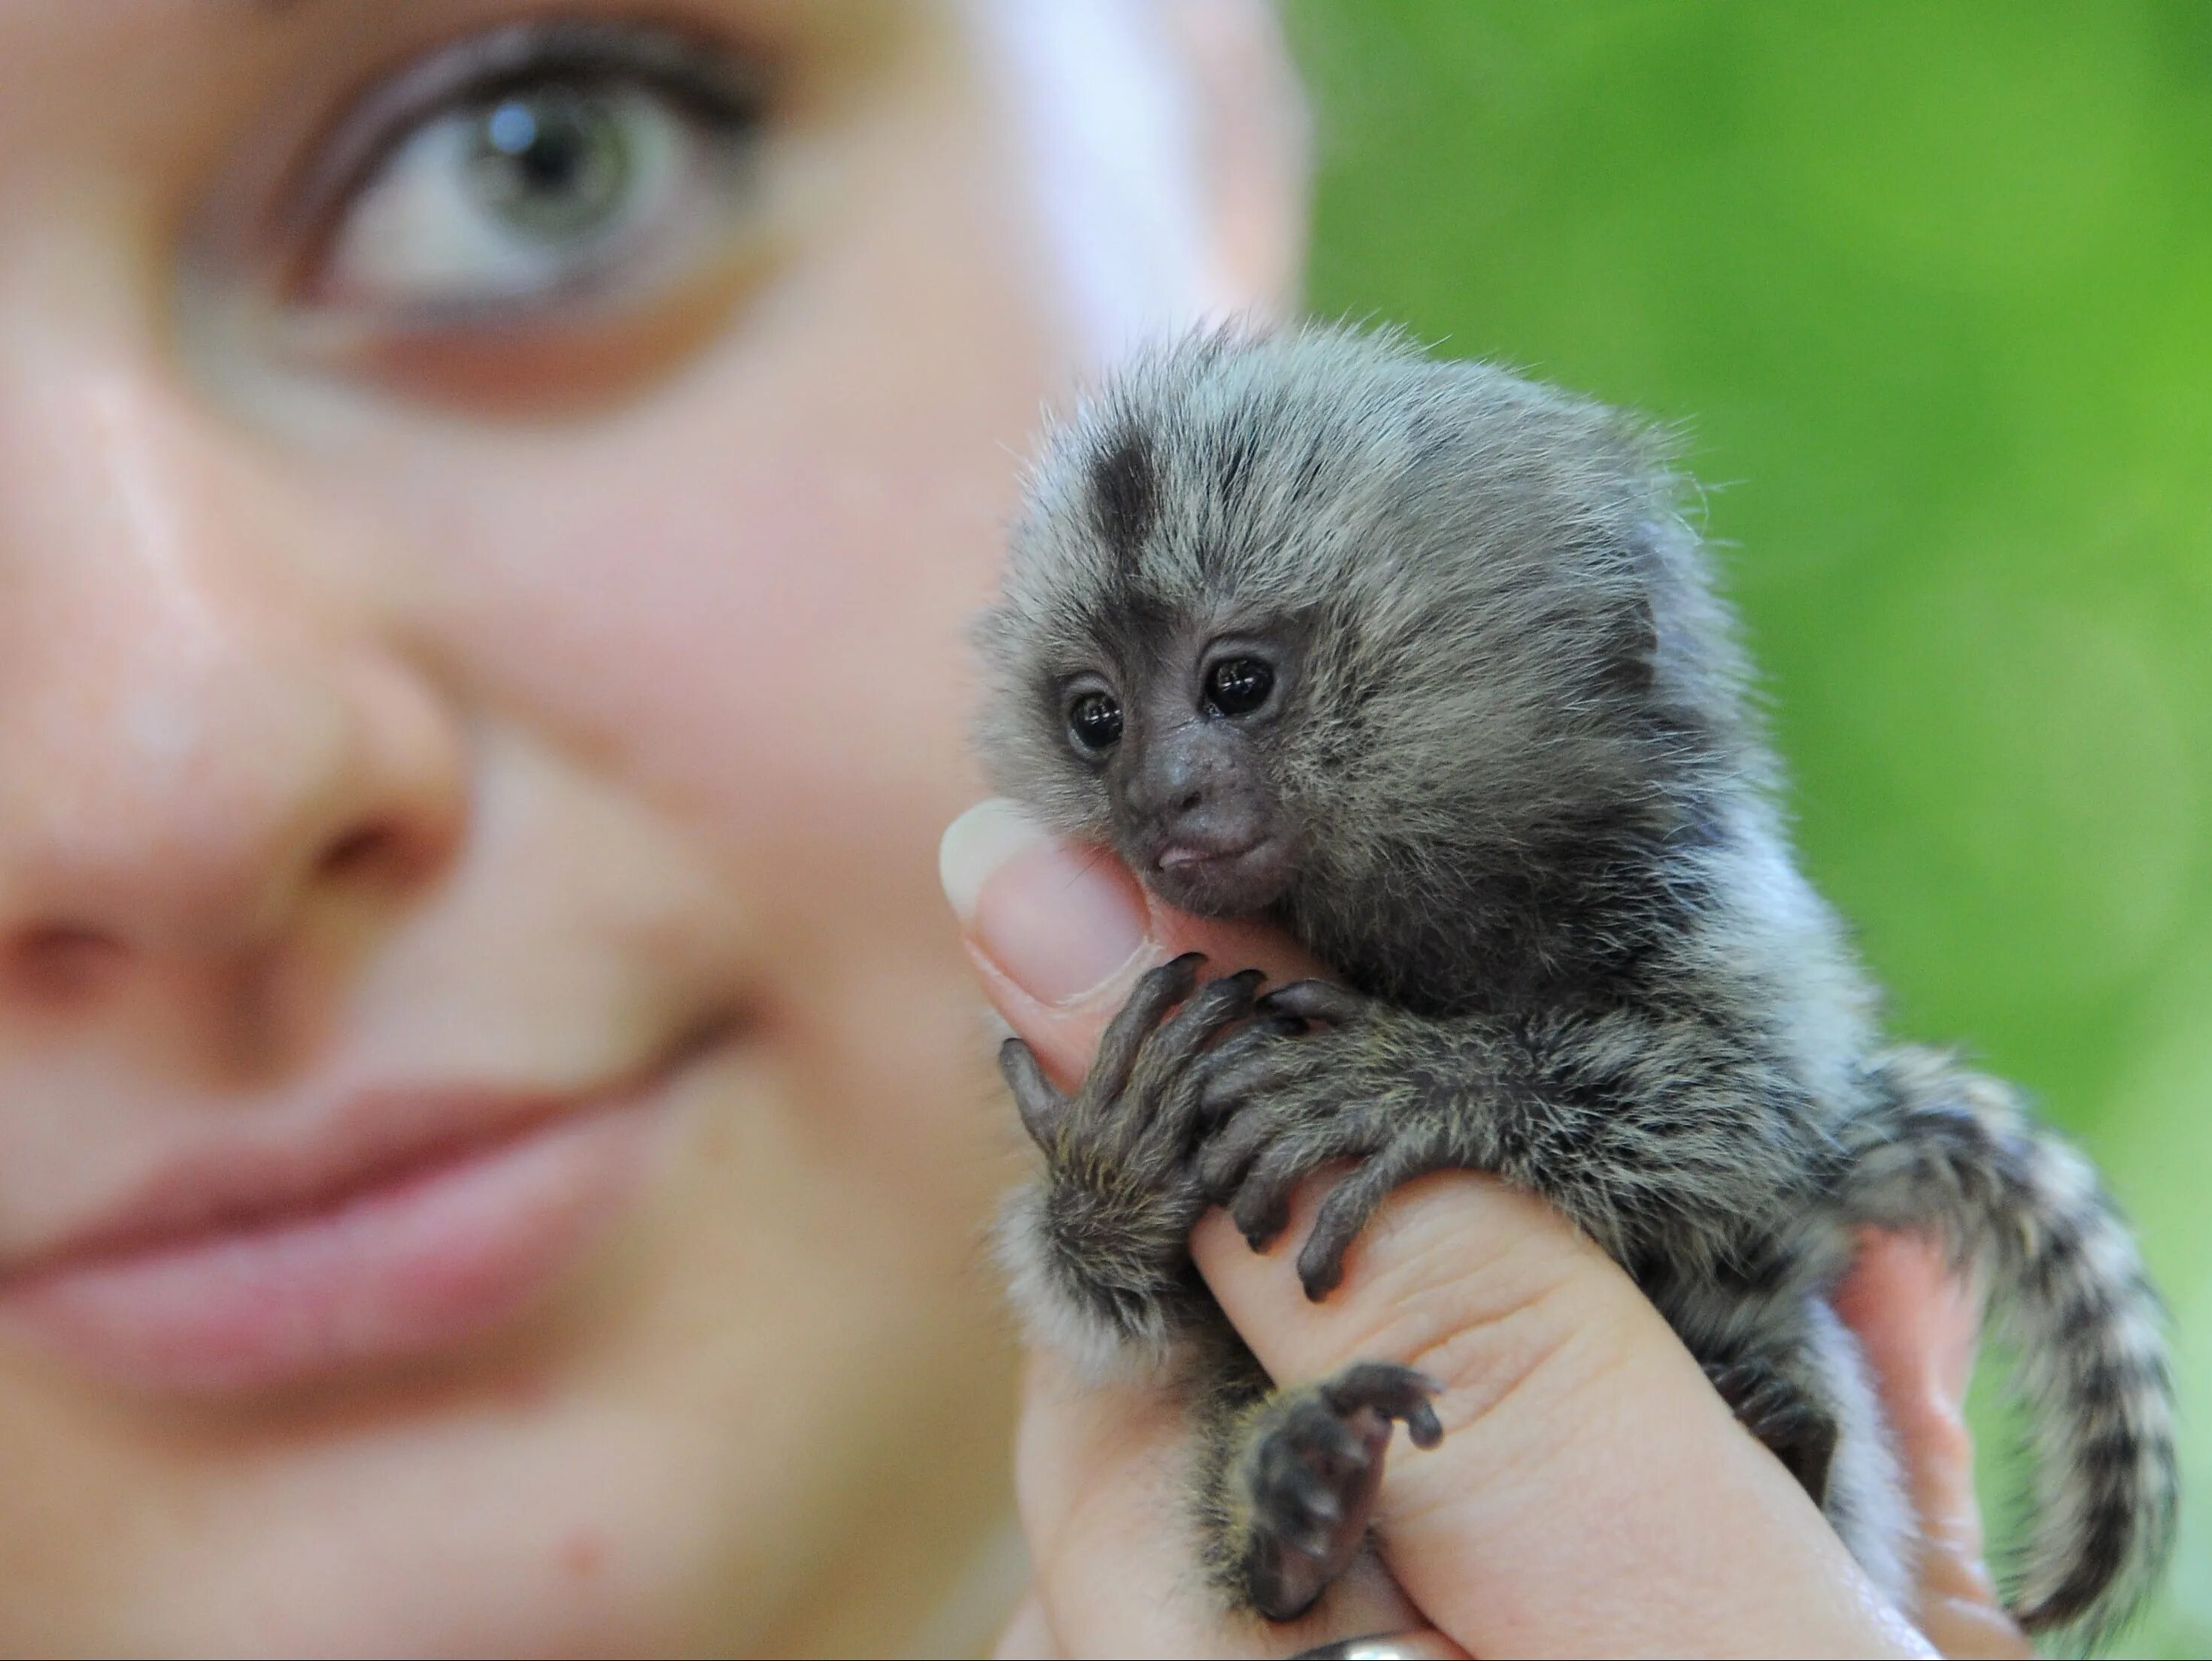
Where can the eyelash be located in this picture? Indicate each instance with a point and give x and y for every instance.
(725, 88)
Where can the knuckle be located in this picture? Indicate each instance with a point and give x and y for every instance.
(1506, 1315)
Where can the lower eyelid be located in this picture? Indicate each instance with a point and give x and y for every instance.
(541, 362)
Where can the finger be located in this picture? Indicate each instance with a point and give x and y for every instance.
(1041, 1104)
(1099, 1478)
(1059, 934)
(1027, 1636)
(1343, 1216)
(1158, 991)
(1918, 1323)
(1209, 1009)
(1165, 1075)
(1592, 1496)
(1315, 1000)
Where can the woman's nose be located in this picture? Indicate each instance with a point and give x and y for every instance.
(201, 741)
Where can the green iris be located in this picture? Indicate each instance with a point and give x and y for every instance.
(553, 163)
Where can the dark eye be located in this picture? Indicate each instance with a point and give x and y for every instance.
(1095, 721)
(1238, 686)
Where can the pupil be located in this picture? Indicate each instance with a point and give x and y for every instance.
(1241, 685)
(552, 162)
(1097, 720)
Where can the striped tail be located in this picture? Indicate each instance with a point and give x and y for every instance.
(1948, 1147)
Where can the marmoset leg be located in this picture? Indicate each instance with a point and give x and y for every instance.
(1619, 1118)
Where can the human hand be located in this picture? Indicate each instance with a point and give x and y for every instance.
(1593, 1495)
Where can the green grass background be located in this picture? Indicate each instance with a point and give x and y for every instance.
(1931, 285)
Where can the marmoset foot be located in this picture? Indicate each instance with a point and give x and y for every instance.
(1309, 1473)
(1775, 1408)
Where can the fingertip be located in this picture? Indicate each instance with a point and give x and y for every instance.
(976, 846)
(1027, 1636)
(1179, 974)
(1058, 920)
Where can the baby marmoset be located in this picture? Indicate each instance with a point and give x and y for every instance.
(1420, 660)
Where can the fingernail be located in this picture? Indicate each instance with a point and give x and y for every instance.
(1057, 919)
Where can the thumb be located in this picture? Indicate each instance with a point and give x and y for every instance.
(1059, 933)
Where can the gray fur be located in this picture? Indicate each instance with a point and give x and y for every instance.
(1526, 809)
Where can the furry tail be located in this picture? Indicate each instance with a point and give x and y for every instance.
(1945, 1145)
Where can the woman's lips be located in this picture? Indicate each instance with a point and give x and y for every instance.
(409, 1258)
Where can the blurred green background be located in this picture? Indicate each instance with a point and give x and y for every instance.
(1931, 287)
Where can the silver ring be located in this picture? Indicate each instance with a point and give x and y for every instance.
(1375, 1646)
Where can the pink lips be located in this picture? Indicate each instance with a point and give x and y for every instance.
(207, 1286)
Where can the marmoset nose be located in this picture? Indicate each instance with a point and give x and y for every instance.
(1191, 788)
(194, 753)
(1175, 781)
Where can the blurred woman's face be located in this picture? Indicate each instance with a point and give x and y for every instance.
(491, 1152)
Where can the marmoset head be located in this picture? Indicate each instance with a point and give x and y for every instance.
(1310, 622)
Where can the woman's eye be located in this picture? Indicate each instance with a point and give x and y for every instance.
(1238, 686)
(1095, 721)
(497, 203)
(571, 174)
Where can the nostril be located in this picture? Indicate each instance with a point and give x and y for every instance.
(59, 960)
(372, 853)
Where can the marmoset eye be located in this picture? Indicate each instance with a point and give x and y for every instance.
(1238, 686)
(1095, 722)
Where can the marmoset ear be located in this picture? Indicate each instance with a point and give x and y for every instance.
(1631, 649)
(1629, 652)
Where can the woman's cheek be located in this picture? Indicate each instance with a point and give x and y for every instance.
(774, 630)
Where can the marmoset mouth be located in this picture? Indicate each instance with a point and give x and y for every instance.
(1235, 880)
(1184, 854)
